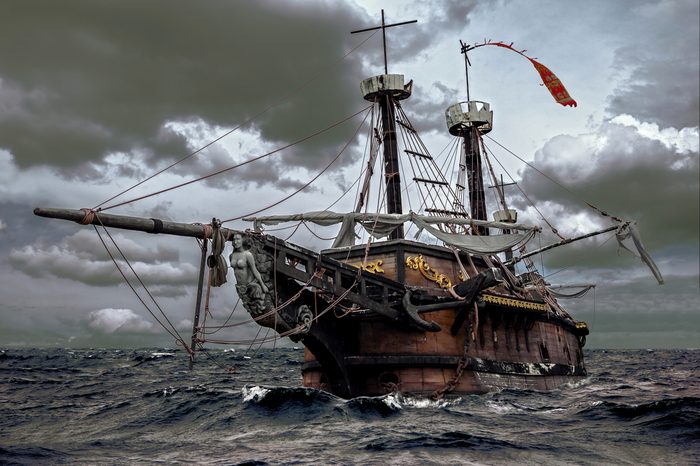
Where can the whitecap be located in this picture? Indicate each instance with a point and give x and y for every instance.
(423, 403)
(502, 408)
(393, 401)
(254, 393)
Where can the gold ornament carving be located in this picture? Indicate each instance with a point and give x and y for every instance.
(418, 263)
(372, 267)
(503, 301)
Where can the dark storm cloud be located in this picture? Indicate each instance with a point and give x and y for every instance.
(94, 77)
(103, 77)
(625, 174)
(268, 171)
(82, 258)
(429, 104)
(665, 70)
(434, 22)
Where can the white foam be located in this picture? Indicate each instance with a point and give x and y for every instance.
(393, 401)
(254, 393)
(427, 403)
(502, 408)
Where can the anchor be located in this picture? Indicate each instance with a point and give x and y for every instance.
(468, 292)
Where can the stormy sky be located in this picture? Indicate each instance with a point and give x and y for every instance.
(98, 95)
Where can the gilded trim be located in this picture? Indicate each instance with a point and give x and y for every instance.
(503, 301)
(372, 267)
(418, 263)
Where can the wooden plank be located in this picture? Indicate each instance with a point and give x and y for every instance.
(418, 154)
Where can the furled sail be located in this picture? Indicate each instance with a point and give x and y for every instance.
(628, 230)
(381, 225)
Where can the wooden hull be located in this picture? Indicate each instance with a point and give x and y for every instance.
(510, 343)
(508, 349)
(365, 344)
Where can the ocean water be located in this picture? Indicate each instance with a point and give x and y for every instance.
(98, 406)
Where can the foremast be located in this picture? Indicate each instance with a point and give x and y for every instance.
(386, 90)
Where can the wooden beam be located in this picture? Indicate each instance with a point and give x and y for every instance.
(148, 225)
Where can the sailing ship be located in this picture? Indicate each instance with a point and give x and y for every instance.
(442, 311)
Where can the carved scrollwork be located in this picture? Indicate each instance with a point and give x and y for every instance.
(373, 267)
(305, 318)
(418, 263)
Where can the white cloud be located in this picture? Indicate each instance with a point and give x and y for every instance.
(681, 141)
(119, 321)
(3, 225)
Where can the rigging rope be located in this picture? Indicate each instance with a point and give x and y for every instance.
(174, 333)
(567, 268)
(330, 206)
(292, 331)
(219, 172)
(362, 194)
(530, 201)
(215, 361)
(277, 308)
(222, 326)
(600, 211)
(500, 192)
(314, 233)
(307, 184)
(284, 100)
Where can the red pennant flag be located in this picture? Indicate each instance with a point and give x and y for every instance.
(554, 85)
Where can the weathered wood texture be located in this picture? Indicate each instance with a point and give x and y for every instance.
(511, 342)
(426, 380)
(510, 337)
(148, 225)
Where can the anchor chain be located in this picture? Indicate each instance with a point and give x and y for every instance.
(461, 365)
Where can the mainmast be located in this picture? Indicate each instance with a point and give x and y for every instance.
(468, 120)
(386, 90)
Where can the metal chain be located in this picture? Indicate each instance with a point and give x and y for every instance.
(461, 365)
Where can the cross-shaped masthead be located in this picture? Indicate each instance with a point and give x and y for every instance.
(383, 28)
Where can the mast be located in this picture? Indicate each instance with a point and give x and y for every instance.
(386, 90)
(468, 120)
(475, 181)
(391, 159)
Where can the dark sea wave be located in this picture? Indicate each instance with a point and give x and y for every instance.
(95, 406)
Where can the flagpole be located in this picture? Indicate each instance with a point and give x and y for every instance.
(466, 66)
